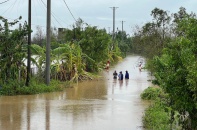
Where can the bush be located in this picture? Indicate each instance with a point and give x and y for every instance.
(35, 87)
(156, 118)
(10, 87)
(152, 93)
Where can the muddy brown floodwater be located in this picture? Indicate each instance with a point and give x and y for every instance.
(105, 104)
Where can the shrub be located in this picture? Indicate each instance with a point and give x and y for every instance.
(10, 87)
(35, 87)
(156, 118)
(152, 93)
(158, 115)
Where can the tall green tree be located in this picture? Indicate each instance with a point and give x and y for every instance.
(124, 42)
(152, 36)
(12, 49)
(95, 43)
(176, 73)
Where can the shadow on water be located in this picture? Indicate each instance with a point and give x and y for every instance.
(108, 104)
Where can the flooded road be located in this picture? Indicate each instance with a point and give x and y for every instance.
(105, 104)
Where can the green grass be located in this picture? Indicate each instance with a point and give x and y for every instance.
(35, 87)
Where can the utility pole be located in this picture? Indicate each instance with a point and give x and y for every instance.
(122, 25)
(29, 44)
(114, 9)
(122, 28)
(109, 29)
(48, 42)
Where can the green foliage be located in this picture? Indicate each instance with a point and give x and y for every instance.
(172, 46)
(159, 115)
(156, 118)
(95, 44)
(87, 50)
(152, 93)
(160, 16)
(12, 48)
(124, 42)
(14, 88)
(35, 88)
(152, 37)
(10, 87)
(176, 72)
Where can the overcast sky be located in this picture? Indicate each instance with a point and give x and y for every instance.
(94, 12)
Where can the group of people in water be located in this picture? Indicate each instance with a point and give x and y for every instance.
(120, 76)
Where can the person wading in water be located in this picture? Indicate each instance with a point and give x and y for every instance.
(127, 75)
(107, 65)
(120, 76)
(115, 74)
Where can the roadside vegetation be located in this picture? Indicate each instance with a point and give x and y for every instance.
(169, 44)
(77, 54)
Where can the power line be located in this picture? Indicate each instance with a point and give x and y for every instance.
(52, 14)
(41, 6)
(19, 5)
(25, 22)
(42, 3)
(69, 10)
(10, 7)
(4, 2)
(35, 11)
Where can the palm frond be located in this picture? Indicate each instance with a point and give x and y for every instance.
(60, 50)
(37, 50)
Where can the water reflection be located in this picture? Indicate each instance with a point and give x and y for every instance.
(47, 114)
(114, 85)
(120, 83)
(126, 82)
(101, 104)
(28, 106)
